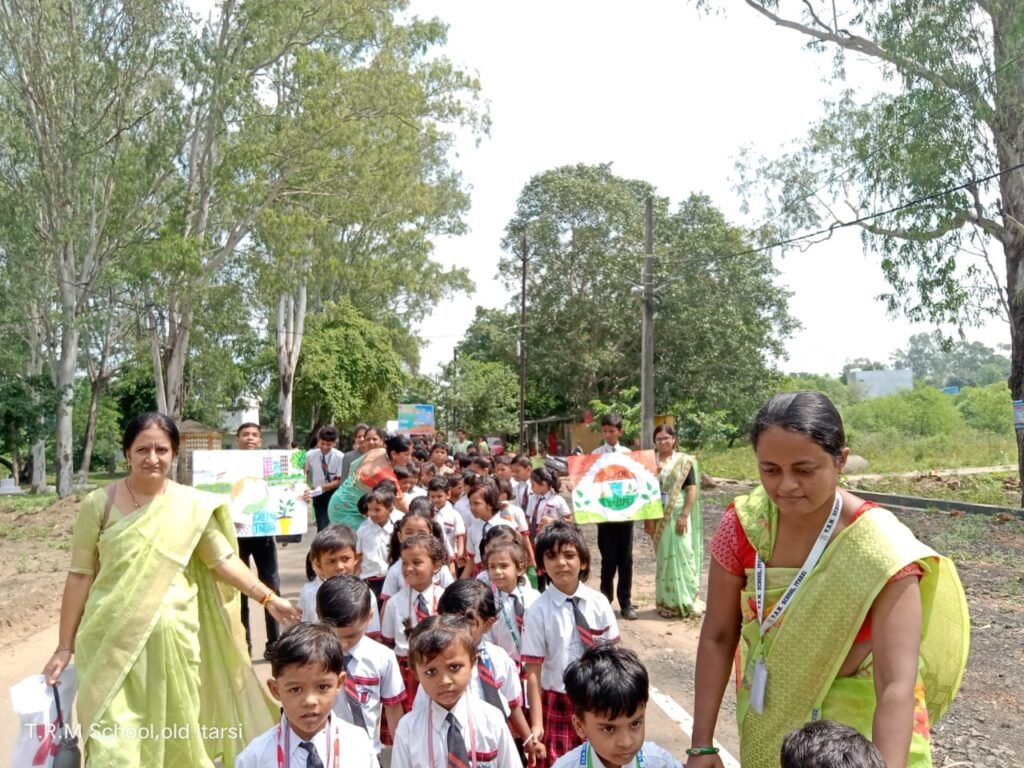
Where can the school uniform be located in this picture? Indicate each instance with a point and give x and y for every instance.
(373, 680)
(321, 469)
(337, 743)
(462, 507)
(403, 607)
(422, 740)
(307, 604)
(452, 525)
(507, 630)
(515, 515)
(553, 638)
(477, 532)
(615, 542)
(415, 492)
(653, 757)
(521, 491)
(494, 681)
(372, 542)
(548, 505)
(394, 581)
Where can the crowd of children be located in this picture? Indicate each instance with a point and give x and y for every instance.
(423, 632)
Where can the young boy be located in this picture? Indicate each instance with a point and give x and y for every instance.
(566, 619)
(608, 688)
(308, 672)
(408, 478)
(521, 469)
(333, 553)
(444, 731)
(615, 540)
(452, 525)
(323, 473)
(373, 538)
(439, 459)
(373, 681)
(827, 744)
(503, 467)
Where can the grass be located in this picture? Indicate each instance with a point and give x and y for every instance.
(25, 503)
(977, 489)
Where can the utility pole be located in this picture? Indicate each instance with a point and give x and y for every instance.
(522, 355)
(647, 333)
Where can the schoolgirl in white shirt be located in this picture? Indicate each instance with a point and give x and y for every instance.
(416, 521)
(513, 594)
(374, 536)
(483, 501)
(545, 505)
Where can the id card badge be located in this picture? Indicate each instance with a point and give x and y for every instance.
(758, 686)
(664, 501)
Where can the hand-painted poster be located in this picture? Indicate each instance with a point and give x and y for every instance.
(416, 419)
(264, 488)
(615, 487)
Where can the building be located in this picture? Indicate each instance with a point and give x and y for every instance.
(872, 384)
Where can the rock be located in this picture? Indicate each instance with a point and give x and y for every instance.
(707, 481)
(855, 464)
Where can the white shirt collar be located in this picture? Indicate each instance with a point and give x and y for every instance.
(319, 739)
(560, 596)
(440, 713)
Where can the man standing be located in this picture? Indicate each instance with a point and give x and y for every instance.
(323, 472)
(615, 540)
(262, 550)
(461, 444)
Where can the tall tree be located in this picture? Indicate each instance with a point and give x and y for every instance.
(943, 151)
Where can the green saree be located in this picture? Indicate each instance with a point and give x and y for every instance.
(164, 678)
(679, 559)
(806, 647)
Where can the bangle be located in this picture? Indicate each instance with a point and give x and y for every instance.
(528, 739)
(269, 596)
(60, 649)
(694, 751)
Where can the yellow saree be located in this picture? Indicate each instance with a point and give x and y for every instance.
(164, 678)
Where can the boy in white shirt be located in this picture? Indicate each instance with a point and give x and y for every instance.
(374, 537)
(608, 687)
(307, 668)
(452, 525)
(615, 540)
(332, 553)
(486, 508)
(451, 728)
(373, 680)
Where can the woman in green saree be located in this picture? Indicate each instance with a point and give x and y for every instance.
(837, 610)
(679, 536)
(366, 472)
(150, 609)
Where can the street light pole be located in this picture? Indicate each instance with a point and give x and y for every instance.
(647, 333)
(522, 353)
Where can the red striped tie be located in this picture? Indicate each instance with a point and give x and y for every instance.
(586, 635)
(458, 757)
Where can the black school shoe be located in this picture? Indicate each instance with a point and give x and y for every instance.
(629, 613)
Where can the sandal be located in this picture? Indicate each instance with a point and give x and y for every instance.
(667, 613)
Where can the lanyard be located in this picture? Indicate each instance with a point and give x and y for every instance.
(587, 762)
(284, 751)
(812, 560)
(512, 628)
(469, 723)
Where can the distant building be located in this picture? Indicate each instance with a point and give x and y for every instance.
(872, 384)
(246, 410)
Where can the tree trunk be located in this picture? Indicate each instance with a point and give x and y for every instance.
(64, 381)
(290, 326)
(1014, 251)
(96, 388)
(39, 467)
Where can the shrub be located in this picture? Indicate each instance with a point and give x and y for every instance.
(919, 412)
(987, 409)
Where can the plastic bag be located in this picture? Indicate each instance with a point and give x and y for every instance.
(38, 737)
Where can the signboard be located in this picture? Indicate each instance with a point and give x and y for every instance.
(416, 419)
(263, 488)
(615, 487)
(1018, 414)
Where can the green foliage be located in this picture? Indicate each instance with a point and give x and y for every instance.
(481, 397)
(987, 409)
(920, 412)
(27, 404)
(939, 362)
(106, 449)
(627, 405)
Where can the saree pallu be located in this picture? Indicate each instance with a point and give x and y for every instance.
(806, 647)
(678, 558)
(164, 678)
(364, 475)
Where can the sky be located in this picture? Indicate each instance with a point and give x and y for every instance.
(669, 96)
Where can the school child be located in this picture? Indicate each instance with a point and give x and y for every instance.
(452, 729)
(439, 459)
(323, 473)
(521, 469)
(427, 473)
(408, 476)
(506, 566)
(373, 680)
(307, 674)
(416, 521)
(373, 538)
(482, 466)
(828, 744)
(422, 557)
(515, 515)
(503, 467)
(615, 540)
(566, 619)
(545, 504)
(452, 525)
(460, 490)
(608, 687)
(484, 504)
(332, 553)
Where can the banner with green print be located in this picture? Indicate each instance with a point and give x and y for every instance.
(614, 487)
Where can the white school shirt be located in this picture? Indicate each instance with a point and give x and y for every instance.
(307, 604)
(452, 525)
(548, 505)
(416, 492)
(504, 632)
(316, 468)
(476, 534)
(402, 607)
(654, 757)
(550, 637)
(462, 507)
(506, 675)
(423, 733)
(372, 541)
(355, 748)
(515, 515)
(605, 448)
(394, 581)
(378, 682)
(521, 491)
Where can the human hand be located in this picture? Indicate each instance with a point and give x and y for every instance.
(682, 524)
(56, 665)
(284, 611)
(649, 527)
(704, 761)
(538, 752)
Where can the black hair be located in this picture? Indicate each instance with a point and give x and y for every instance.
(470, 598)
(666, 428)
(415, 511)
(523, 461)
(496, 533)
(489, 489)
(463, 459)
(455, 478)
(422, 505)
(807, 413)
(514, 547)
(558, 534)
(545, 475)
(438, 483)
(504, 486)
(483, 461)
(310, 571)
(387, 485)
(381, 496)
(328, 433)
(433, 545)
(434, 634)
(502, 459)
(378, 432)
(827, 744)
(343, 601)
(397, 444)
(607, 679)
(151, 419)
(420, 453)
(612, 420)
(360, 427)
(247, 425)
(427, 466)
(439, 447)
(331, 539)
(361, 505)
(306, 643)
(403, 473)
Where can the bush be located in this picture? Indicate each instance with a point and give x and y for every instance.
(987, 409)
(919, 412)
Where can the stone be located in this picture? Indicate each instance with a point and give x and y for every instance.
(855, 464)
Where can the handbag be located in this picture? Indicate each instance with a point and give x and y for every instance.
(68, 755)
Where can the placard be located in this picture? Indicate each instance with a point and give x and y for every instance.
(263, 488)
(615, 487)
(416, 419)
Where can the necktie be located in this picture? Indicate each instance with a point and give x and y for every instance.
(520, 611)
(458, 757)
(422, 611)
(354, 705)
(488, 682)
(312, 759)
(582, 627)
(487, 527)
(323, 466)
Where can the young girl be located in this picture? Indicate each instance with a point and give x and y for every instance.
(515, 515)
(545, 505)
(422, 557)
(485, 506)
(416, 521)
(506, 566)
(566, 619)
